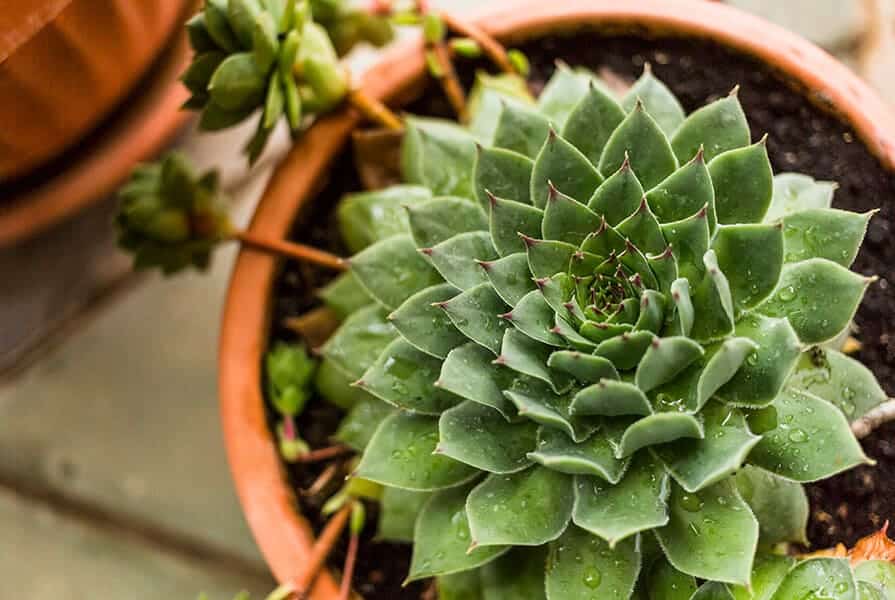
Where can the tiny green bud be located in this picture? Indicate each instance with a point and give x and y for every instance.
(433, 65)
(335, 503)
(358, 517)
(520, 62)
(358, 487)
(288, 53)
(302, 14)
(466, 47)
(406, 18)
(292, 449)
(284, 592)
(433, 28)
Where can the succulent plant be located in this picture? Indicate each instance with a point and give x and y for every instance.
(171, 217)
(272, 55)
(593, 345)
(290, 371)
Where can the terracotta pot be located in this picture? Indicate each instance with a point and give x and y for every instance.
(65, 64)
(284, 535)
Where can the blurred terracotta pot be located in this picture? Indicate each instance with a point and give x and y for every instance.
(283, 534)
(65, 64)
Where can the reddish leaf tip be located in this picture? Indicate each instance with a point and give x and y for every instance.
(529, 241)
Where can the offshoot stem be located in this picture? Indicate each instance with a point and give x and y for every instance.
(493, 49)
(374, 111)
(299, 252)
(348, 570)
(320, 551)
(450, 83)
(324, 454)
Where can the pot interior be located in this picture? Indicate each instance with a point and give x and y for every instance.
(802, 137)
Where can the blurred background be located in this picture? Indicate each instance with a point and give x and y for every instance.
(113, 479)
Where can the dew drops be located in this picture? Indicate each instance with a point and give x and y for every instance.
(798, 436)
(787, 294)
(593, 578)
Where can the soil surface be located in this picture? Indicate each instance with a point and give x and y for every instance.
(802, 138)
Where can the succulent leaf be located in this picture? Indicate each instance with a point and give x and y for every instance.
(594, 456)
(562, 93)
(402, 455)
(618, 196)
(617, 512)
(392, 270)
(763, 244)
(769, 572)
(840, 380)
(509, 221)
(699, 523)
(820, 445)
(610, 398)
(403, 376)
(658, 101)
(399, 511)
(828, 233)
(806, 577)
(442, 538)
(426, 326)
(781, 506)
(699, 463)
(521, 129)
(439, 155)
(369, 217)
(639, 140)
(667, 583)
(561, 166)
(477, 435)
(715, 128)
(794, 192)
(435, 221)
(712, 590)
(469, 372)
(818, 296)
(456, 259)
(517, 574)
(610, 572)
(502, 173)
(592, 122)
(493, 508)
(743, 183)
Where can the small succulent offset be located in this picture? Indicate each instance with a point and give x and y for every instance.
(274, 55)
(593, 342)
(171, 217)
(289, 370)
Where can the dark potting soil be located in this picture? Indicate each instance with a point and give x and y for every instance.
(802, 138)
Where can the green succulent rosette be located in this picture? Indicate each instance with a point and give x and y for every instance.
(591, 344)
(274, 55)
(171, 217)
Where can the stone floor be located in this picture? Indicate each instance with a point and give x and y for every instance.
(113, 482)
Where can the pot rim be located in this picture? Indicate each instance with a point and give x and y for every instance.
(282, 533)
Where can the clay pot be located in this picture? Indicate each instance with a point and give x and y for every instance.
(65, 64)
(283, 535)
